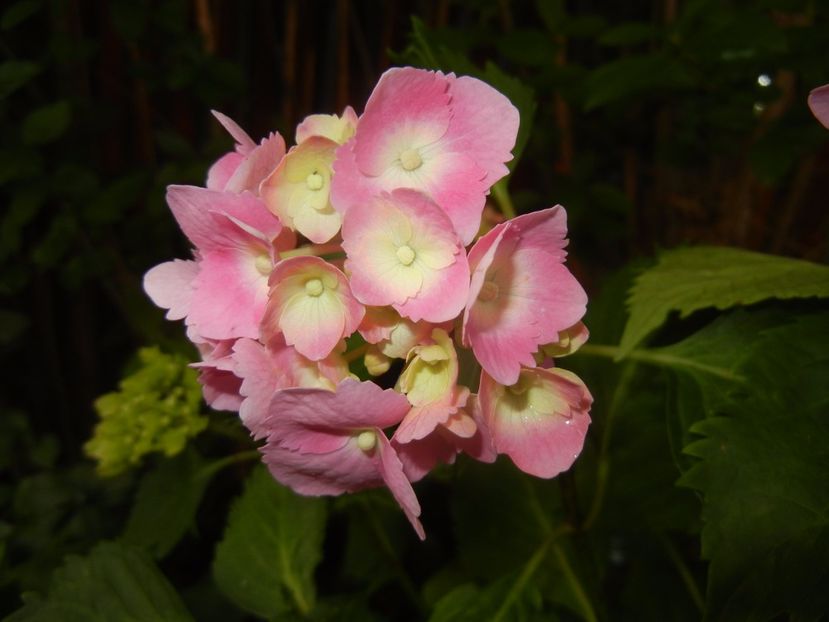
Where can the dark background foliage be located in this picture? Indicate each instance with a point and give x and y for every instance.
(656, 123)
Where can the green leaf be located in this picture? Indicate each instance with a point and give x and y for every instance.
(18, 13)
(14, 74)
(690, 279)
(47, 123)
(272, 543)
(114, 582)
(469, 603)
(635, 77)
(759, 461)
(166, 504)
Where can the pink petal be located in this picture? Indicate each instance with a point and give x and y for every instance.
(406, 100)
(258, 164)
(538, 442)
(170, 286)
(421, 420)
(819, 104)
(222, 170)
(401, 489)
(484, 126)
(244, 143)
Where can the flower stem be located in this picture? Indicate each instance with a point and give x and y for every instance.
(575, 584)
(501, 194)
(211, 469)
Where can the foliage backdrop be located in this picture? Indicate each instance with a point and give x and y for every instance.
(701, 491)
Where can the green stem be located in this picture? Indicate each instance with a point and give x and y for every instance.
(528, 571)
(684, 572)
(603, 470)
(501, 194)
(575, 584)
(211, 469)
(661, 359)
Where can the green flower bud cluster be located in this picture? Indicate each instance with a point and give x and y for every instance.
(156, 409)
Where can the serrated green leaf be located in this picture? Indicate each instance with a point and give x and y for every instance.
(47, 123)
(470, 603)
(759, 461)
(166, 504)
(272, 543)
(690, 279)
(635, 77)
(14, 74)
(114, 582)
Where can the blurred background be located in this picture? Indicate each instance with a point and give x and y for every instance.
(656, 123)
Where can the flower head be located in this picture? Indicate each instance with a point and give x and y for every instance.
(444, 135)
(402, 251)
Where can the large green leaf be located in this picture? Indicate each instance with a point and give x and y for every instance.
(166, 504)
(760, 465)
(690, 279)
(272, 543)
(114, 582)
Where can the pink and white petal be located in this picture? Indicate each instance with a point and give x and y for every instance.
(458, 185)
(401, 489)
(170, 286)
(244, 143)
(252, 212)
(349, 186)
(442, 296)
(819, 104)
(313, 325)
(545, 439)
(222, 170)
(346, 469)
(339, 129)
(378, 324)
(220, 388)
(484, 125)
(229, 295)
(258, 164)
(319, 226)
(545, 230)
(297, 416)
(422, 420)
(408, 100)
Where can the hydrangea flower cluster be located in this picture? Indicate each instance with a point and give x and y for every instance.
(363, 241)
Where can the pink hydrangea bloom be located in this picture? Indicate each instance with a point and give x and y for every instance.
(444, 135)
(298, 190)
(246, 167)
(321, 442)
(223, 293)
(402, 251)
(819, 103)
(265, 368)
(540, 421)
(310, 302)
(521, 295)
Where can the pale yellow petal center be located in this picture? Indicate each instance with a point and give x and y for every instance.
(314, 181)
(367, 440)
(314, 287)
(410, 159)
(405, 254)
(264, 265)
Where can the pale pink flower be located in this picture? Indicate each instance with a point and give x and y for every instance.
(402, 251)
(330, 126)
(321, 442)
(819, 103)
(540, 421)
(246, 167)
(222, 294)
(264, 369)
(298, 190)
(444, 135)
(521, 294)
(310, 302)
